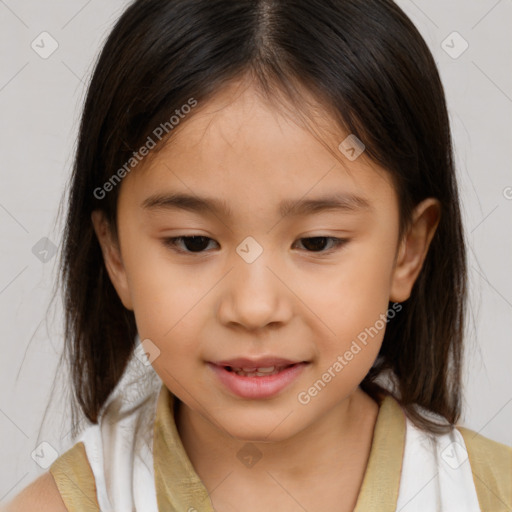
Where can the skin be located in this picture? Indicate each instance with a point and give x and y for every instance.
(41, 495)
(290, 302)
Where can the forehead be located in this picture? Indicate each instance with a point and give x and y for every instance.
(241, 150)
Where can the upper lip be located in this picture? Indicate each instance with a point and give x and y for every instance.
(261, 362)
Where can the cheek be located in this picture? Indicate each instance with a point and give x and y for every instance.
(176, 364)
(352, 301)
(367, 284)
(165, 297)
(162, 292)
(169, 307)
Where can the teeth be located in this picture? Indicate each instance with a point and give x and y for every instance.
(268, 369)
(257, 372)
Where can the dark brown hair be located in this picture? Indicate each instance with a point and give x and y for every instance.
(368, 66)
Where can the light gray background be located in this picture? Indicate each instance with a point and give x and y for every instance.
(40, 102)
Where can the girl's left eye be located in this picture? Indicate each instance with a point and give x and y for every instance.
(319, 241)
(197, 244)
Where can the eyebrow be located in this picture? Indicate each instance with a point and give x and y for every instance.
(293, 207)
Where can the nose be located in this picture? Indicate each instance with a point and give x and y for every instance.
(255, 296)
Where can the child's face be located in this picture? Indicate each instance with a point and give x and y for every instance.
(301, 300)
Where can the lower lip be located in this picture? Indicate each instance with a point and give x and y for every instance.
(257, 387)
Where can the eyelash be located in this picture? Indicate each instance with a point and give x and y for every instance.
(172, 244)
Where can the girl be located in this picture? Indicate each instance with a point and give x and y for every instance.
(264, 270)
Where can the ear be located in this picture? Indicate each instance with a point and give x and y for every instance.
(112, 257)
(413, 248)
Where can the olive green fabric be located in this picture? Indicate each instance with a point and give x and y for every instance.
(491, 465)
(75, 480)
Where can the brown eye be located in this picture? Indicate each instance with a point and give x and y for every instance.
(318, 243)
(192, 244)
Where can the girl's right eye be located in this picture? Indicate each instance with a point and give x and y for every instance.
(193, 244)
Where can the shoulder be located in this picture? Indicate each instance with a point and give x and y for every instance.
(491, 466)
(42, 494)
(484, 452)
(68, 486)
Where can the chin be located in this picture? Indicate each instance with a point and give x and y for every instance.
(272, 430)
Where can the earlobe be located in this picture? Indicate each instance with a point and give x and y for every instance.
(413, 248)
(112, 258)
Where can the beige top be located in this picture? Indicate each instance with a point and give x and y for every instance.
(179, 488)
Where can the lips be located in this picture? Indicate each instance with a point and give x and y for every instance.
(261, 378)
